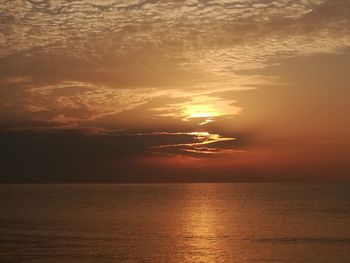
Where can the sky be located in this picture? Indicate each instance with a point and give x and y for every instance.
(174, 91)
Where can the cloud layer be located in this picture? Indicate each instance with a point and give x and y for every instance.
(142, 65)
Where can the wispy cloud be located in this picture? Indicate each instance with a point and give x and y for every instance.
(204, 144)
(74, 61)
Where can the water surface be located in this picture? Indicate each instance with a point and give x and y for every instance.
(175, 223)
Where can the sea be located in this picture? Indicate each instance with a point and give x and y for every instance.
(175, 223)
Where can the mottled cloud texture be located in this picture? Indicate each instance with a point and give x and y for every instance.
(71, 61)
(232, 68)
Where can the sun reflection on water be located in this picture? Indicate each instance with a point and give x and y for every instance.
(203, 235)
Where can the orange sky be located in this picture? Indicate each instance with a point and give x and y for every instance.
(194, 90)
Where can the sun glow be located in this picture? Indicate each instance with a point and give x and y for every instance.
(201, 111)
(205, 113)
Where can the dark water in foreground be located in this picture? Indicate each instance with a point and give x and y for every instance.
(175, 223)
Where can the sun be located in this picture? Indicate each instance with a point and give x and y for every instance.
(200, 111)
(202, 115)
(206, 112)
(205, 109)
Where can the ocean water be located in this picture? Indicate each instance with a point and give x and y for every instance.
(175, 223)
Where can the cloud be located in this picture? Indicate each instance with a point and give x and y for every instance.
(86, 86)
(238, 34)
(68, 156)
(70, 102)
(73, 103)
(92, 144)
(71, 62)
(203, 144)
